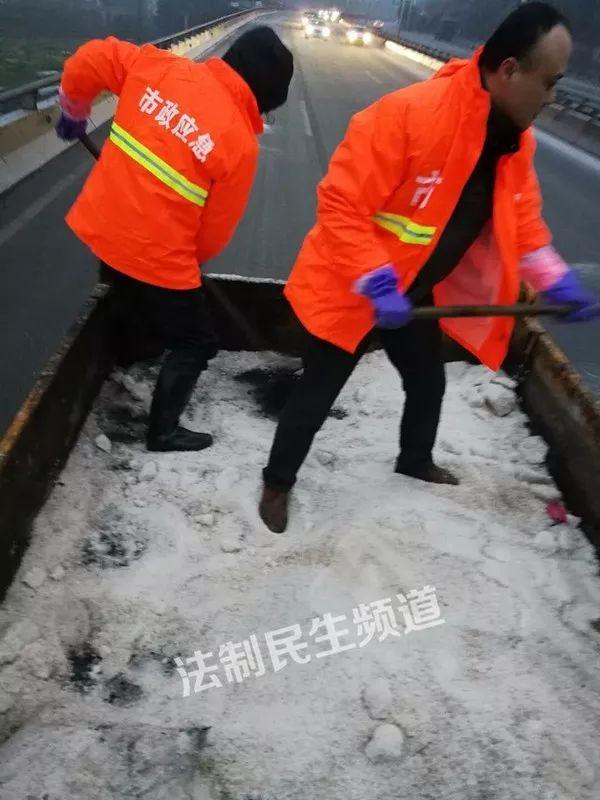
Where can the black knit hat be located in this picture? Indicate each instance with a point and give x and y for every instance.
(266, 65)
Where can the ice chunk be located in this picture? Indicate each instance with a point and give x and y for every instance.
(35, 577)
(103, 443)
(387, 744)
(499, 400)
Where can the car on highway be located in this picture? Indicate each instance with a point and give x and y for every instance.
(316, 28)
(359, 35)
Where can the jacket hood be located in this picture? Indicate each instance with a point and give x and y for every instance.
(264, 62)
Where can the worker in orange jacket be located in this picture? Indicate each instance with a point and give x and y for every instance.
(169, 189)
(431, 197)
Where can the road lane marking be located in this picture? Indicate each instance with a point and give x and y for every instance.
(306, 118)
(321, 150)
(268, 149)
(32, 211)
(373, 77)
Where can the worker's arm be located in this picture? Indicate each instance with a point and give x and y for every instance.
(364, 171)
(542, 267)
(540, 263)
(98, 65)
(227, 201)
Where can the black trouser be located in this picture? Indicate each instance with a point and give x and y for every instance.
(415, 351)
(147, 319)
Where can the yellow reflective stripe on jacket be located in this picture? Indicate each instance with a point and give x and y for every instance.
(404, 228)
(159, 168)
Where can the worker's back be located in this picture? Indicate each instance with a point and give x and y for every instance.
(174, 178)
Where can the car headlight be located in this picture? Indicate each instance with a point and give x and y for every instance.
(326, 32)
(310, 29)
(367, 38)
(352, 36)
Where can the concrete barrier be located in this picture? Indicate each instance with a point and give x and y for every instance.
(21, 161)
(590, 137)
(413, 55)
(578, 129)
(566, 124)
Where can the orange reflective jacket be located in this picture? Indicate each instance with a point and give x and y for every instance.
(391, 188)
(174, 178)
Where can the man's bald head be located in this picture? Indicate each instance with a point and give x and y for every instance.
(524, 59)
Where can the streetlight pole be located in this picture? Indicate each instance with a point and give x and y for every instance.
(139, 21)
(400, 15)
(409, 5)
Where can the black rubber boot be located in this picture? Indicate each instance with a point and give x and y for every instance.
(180, 440)
(430, 473)
(173, 390)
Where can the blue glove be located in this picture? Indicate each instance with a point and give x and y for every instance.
(392, 308)
(69, 129)
(569, 289)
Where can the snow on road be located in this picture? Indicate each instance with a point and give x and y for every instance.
(139, 559)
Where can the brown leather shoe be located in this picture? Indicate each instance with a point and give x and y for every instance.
(273, 509)
(431, 474)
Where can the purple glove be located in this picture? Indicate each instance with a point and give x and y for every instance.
(72, 123)
(569, 289)
(392, 308)
(69, 129)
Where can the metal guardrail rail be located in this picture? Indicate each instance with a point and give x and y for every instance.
(581, 100)
(28, 96)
